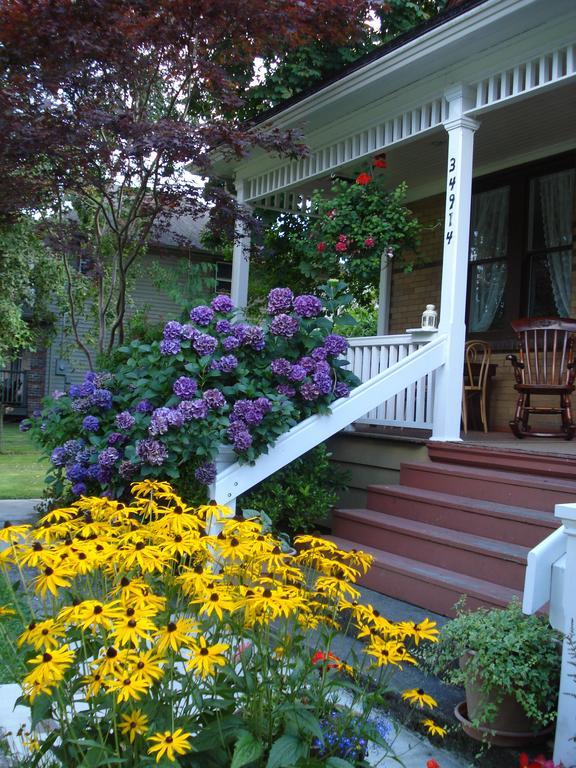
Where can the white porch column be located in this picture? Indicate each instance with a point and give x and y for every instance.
(383, 321)
(564, 744)
(240, 258)
(448, 397)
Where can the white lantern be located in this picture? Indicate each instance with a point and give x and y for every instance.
(429, 317)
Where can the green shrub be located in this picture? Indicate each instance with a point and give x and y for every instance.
(299, 497)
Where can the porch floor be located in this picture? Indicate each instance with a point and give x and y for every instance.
(507, 441)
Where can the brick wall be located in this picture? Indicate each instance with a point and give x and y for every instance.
(411, 291)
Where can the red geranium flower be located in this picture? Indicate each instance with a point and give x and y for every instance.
(321, 656)
(380, 162)
(369, 242)
(341, 245)
(363, 179)
(321, 247)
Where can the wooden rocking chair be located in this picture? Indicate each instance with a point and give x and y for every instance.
(546, 367)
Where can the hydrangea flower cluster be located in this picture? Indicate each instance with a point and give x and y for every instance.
(214, 380)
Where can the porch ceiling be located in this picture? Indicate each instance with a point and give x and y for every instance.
(519, 132)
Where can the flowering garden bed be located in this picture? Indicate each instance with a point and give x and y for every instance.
(168, 634)
(216, 380)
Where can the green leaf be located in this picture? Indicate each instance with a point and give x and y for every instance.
(247, 750)
(41, 709)
(338, 762)
(286, 751)
(303, 719)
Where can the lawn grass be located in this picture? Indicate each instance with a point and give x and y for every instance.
(22, 469)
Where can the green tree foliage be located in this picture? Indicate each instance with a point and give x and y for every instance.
(28, 275)
(284, 76)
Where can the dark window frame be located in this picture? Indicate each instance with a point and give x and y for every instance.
(516, 293)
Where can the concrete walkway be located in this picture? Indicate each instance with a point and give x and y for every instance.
(18, 510)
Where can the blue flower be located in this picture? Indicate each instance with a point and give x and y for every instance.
(91, 424)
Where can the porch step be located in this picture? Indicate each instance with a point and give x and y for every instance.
(463, 553)
(489, 519)
(513, 488)
(428, 586)
(525, 459)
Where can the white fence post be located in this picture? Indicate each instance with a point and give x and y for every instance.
(564, 744)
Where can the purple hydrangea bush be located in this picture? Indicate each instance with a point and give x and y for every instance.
(212, 380)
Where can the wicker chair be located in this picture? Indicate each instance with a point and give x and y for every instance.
(546, 367)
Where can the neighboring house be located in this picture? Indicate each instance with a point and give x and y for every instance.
(480, 101)
(35, 374)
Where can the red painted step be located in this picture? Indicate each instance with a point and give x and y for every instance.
(428, 586)
(513, 488)
(464, 553)
(490, 519)
(514, 459)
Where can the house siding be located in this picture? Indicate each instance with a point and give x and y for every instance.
(66, 364)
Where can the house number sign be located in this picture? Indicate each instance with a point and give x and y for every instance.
(451, 202)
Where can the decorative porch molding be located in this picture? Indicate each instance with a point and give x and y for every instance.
(554, 67)
(277, 189)
(261, 189)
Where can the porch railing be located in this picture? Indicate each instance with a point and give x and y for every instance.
(13, 387)
(412, 406)
(416, 365)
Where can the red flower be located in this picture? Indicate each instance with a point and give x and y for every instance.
(321, 247)
(331, 213)
(380, 162)
(341, 245)
(369, 242)
(432, 764)
(321, 656)
(363, 179)
(342, 238)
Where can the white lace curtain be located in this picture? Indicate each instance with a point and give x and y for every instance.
(556, 201)
(488, 245)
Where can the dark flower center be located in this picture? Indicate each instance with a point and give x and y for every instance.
(214, 597)
(124, 581)
(140, 546)
(130, 611)
(132, 623)
(267, 593)
(47, 657)
(48, 571)
(178, 538)
(98, 609)
(203, 651)
(171, 627)
(169, 739)
(37, 547)
(140, 665)
(111, 653)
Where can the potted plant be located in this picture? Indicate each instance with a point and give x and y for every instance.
(509, 666)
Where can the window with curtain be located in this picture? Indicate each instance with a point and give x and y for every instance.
(488, 259)
(550, 244)
(521, 245)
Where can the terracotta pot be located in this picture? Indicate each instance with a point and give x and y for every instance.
(500, 738)
(509, 720)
